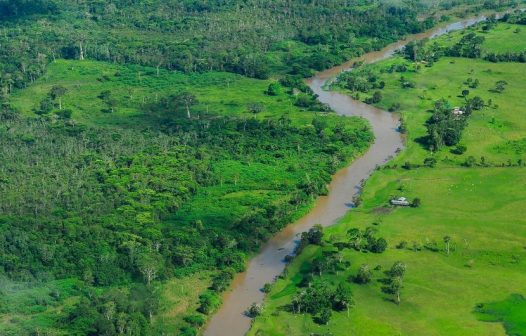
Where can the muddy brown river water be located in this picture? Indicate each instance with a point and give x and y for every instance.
(230, 320)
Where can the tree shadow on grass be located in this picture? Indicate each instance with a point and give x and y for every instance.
(423, 141)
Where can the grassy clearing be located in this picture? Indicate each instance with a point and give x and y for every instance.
(179, 297)
(505, 37)
(500, 38)
(32, 306)
(483, 209)
(134, 87)
(490, 131)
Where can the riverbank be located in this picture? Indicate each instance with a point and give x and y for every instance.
(479, 208)
(345, 186)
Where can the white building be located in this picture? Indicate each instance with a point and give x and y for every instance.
(457, 111)
(402, 201)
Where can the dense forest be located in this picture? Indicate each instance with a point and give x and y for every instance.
(252, 38)
(93, 204)
(106, 207)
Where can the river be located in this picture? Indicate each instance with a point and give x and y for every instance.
(269, 262)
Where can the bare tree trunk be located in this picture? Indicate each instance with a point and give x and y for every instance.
(81, 56)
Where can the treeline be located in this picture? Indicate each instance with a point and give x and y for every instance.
(252, 38)
(469, 46)
(15, 9)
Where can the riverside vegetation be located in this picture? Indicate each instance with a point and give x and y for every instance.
(149, 148)
(455, 260)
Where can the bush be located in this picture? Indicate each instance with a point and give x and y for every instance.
(195, 320)
(470, 161)
(407, 165)
(377, 96)
(364, 274)
(430, 162)
(459, 150)
(394, 107)
(273, 89)
(377, 245)
(188, 331)
(221, 281)
(208, 302)
(266, 288)
(324, 316)
(254, 310)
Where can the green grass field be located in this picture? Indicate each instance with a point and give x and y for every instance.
(496, 132)
(491, 132)
(483, 209)
(505, 37)
(501, 38)
(134, 87)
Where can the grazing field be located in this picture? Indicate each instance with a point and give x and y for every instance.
(481, 209)
(463, 245)
(491, 132)
(505, 37)
(495, 133)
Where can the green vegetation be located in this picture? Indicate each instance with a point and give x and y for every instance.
(491, 104)
(150, 147)
(439, 291)
(157, 187)
(250, 38)
(509, 312)
(463, 244)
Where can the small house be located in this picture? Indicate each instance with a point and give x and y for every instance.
(457, 111)
(401, 201)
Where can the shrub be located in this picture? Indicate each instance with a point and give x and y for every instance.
(254, 310)
(430, 162)
(208, 302)
(266, 288)
(459, 150)
(364, 274)
(195, 320)
(470, 161)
